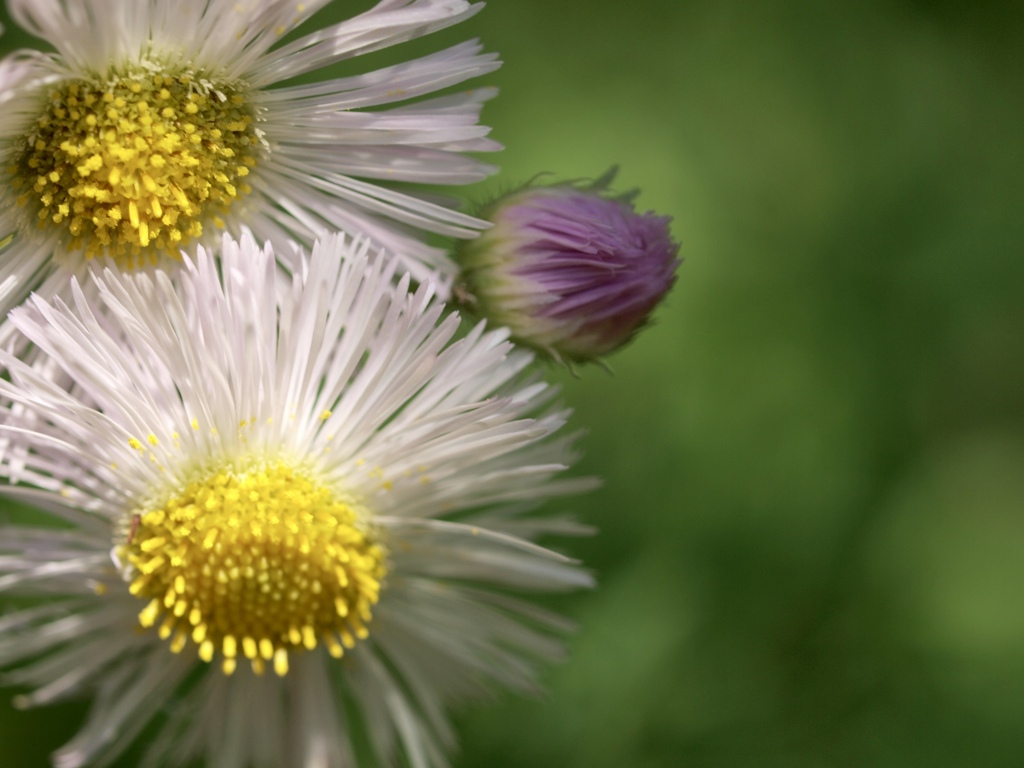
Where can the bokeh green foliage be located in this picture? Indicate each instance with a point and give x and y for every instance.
(813, 512)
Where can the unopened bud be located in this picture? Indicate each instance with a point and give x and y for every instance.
(571, 270)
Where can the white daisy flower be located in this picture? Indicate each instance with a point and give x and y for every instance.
(278, 526)
(159, 124)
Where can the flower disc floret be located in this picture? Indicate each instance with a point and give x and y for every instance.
(131, 165)
(258, 561)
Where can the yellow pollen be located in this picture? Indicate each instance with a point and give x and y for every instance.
(134, 181)
(254, 561)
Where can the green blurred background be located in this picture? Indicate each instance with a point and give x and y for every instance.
(812, 522)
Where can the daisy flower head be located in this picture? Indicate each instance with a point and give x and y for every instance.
(157, 125)
(287, 512)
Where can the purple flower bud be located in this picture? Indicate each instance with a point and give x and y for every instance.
(571, 270)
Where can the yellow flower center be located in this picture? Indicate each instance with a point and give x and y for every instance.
(255, 562)
(134, 165)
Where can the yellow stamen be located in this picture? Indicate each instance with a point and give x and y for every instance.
(132, 180)
(281, 662)
(256, 561)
